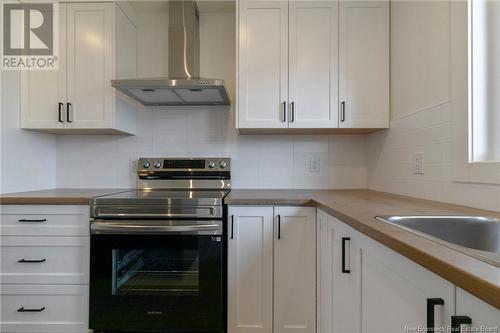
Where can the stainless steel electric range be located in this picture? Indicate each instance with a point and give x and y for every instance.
(157, 252)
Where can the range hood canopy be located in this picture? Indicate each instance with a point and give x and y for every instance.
(183, 86)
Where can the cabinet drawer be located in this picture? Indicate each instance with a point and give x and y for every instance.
(44, 221)
(44, 260)
(55, 308)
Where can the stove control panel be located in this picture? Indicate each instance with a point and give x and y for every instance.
(184, 164)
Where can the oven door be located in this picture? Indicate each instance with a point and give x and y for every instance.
(156, 276)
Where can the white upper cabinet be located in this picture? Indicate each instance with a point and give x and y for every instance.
(364, 64)
(313, 52)
(43, 93)
(313, 65)
(263, 64)
(97, 44)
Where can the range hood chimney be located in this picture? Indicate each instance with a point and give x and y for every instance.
(183, 86)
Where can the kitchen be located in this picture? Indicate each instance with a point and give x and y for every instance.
(283, 197)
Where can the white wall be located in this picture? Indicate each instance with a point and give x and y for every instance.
(258, 161)
(422, 111)
(28, 159)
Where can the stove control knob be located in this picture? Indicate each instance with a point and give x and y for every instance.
(211, 164)
(157, 164)
(146, 164)
(222, 164)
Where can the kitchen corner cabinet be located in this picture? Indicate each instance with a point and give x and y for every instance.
(363, 286)
(97, 43)
(271, 269)
(313, 65)
(369, 288)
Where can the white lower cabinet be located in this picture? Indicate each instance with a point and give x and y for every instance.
(397, 292)
(250, 270)
(272, 269)
(44, 308)
(363, 286)
(482, 317)
(44, 274)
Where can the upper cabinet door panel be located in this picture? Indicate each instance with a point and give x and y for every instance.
(313, 71)
(364, 64)
(263, 64)
(90, 64)
(42, 91)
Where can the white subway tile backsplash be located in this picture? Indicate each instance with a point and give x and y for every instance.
(259, 161)
(390, 161)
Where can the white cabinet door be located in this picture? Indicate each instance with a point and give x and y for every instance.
(346, 279)
(90, 65)
(395, 292)
(313, 81)
(294, 270)
(263, 64)
(324, 276)
(480, 313)
(43, 93)
(250, 270)
(364, 64)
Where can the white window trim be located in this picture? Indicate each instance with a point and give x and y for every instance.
(463, 169)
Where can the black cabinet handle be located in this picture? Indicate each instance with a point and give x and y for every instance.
(279, 226)
(32, 221)
(344, 241)
(458, 321)
(232, 226)
(22, 309)
(31, 261)
(284, 112)
(292, 112)
(68, 106)
(431, 303)
(59, 117)
(342, 111)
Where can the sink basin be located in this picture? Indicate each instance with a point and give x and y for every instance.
(475, 232)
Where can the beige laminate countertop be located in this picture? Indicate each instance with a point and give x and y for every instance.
(55, 196)
(358, 208)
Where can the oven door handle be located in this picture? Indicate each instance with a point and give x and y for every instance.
(170, 227)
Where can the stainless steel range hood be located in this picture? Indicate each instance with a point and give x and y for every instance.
(183, 86)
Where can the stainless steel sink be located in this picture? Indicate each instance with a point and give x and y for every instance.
(475, 232)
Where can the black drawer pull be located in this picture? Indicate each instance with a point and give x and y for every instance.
(344, 241)
(32, 221)
(22, 309)
(458, 321)
(24, 261)
(431, 303)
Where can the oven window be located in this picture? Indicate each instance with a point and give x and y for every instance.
(156, 272)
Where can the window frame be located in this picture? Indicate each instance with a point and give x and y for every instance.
(464, 169)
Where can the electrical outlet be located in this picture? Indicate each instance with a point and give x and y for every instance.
(314, 164)
(133, 164)
(418, 163)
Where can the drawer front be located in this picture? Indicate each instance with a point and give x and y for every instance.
(44, 260)
(44, 308)
(44, 221)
